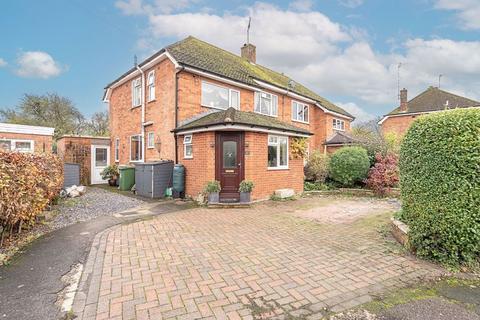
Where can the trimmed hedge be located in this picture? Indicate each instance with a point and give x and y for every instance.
(440, 186)
(349, 165)
(28, 183)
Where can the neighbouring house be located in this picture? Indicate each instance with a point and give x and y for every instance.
(431, 100)
(223, 116)
(25, 138)
(90, 152)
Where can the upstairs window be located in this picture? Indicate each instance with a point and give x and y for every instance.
(299, 112)
(277, 152)
(136, 148)
(136, 92)
(187, 147)
(266, 103)
(214, 96)
(151, 85)
(339, 124)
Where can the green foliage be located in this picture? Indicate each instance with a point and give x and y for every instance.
(314, 186)
(440, 186)
(349, 165)
(212, 187)
(110, 172)
(384, 175)
(246, 186)
(316, 168)
(28, 183)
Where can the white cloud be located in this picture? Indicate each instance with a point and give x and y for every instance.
(37, 64)
(137, 7)
(301, 5)
(332, 59)
(3, 63)
(359, 114)
(467, 11)
(351, 3)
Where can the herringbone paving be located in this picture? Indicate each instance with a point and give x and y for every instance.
(256, 263)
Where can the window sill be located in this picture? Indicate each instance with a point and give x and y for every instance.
(150, 147)
(343, 130)
(217, 108)
(277, 168)
(153, 100)
(187, 158)
(300, 121)
(268, 115)
(134, 107)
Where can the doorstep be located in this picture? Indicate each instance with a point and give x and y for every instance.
(225, 205)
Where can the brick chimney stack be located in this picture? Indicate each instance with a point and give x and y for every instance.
(403, 100)
(249, 52)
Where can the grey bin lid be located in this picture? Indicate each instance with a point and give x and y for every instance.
(154, 163)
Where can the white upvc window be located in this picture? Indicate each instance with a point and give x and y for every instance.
(150, 140)
(187, 146)
(339, 124)
(136, 92)
(266, 103)
(26, 146)
(136, 148)
(299, 112)
(277, 152)
(218, 97)
(151, 85)
(117, 150)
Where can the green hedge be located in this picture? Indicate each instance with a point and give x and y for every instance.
(349, 165)
(440, 186)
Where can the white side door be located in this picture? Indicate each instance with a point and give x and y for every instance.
(100, 160)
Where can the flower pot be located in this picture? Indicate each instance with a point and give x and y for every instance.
(214, 197)
(244, 197)
(112, 182)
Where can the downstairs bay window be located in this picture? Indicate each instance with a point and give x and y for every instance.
(136, 148)
(277, 152)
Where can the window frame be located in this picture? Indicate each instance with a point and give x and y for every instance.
(230, 90)
(277, 144)
(116, 150)
(141, 148)
(257, 103)
(151, 86)
(134, 86)
(335, 125)
(189, 144)
(13, 144)
(305, 106)
(150, 139)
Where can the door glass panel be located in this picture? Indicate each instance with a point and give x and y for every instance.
(100, 157)
(229, 154)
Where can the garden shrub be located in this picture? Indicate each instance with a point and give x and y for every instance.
(349, 165)
(28, 183)
(316, 168)
(384, 175)
(440, 186)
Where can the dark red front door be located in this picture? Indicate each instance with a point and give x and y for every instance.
(229, 164)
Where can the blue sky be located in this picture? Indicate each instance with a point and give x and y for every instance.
(346, 50)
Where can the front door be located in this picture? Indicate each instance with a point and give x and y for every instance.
(100, 160)
(229, 164)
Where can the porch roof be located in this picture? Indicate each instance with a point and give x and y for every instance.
(232, 116)
(340, 138)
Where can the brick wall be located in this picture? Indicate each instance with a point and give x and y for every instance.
(398, 125)
(41, 143)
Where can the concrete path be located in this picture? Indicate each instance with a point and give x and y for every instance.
(30, 283)
(252, 263)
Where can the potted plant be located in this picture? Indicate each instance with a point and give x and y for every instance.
(245, 189)
(111, 173)
(213, 190)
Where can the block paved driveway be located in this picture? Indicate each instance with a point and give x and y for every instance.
(256, 263)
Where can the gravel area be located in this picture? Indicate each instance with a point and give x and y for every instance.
(94, 203)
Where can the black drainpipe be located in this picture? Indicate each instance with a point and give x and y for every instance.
(176, 112)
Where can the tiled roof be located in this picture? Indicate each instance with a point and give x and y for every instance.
(232, 116)
(340, 138)
(434, 99)
(201, 55)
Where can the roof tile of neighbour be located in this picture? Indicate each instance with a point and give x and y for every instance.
(232, 116)
(340, 138)
(434, 99)
(201, 55)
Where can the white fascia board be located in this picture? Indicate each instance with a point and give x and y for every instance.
(333, 112)
(238, 127)
(25, 129)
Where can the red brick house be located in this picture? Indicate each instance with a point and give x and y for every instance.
(24, 138)
(431, 100)
(221, 115)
